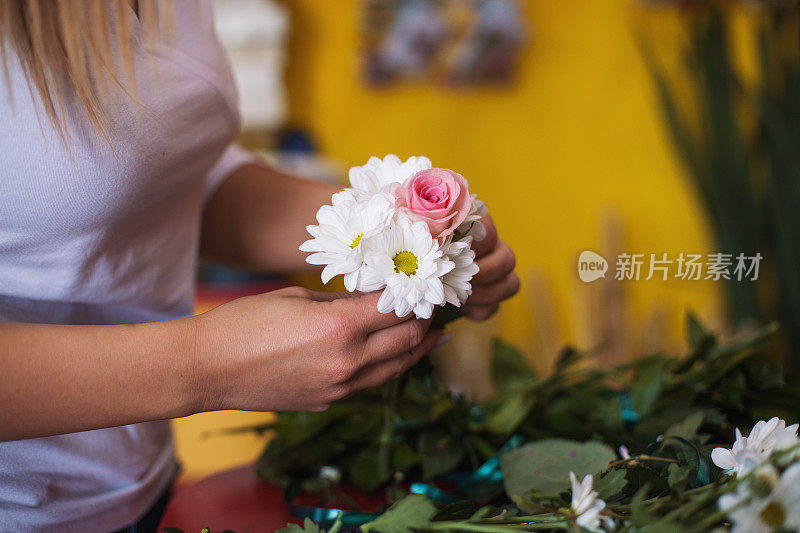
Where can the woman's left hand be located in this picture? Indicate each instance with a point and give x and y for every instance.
(496, 280)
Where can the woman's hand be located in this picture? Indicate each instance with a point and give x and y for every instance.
(496, 280)
(296, 349)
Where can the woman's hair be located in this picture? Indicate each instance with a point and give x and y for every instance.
(65, 46)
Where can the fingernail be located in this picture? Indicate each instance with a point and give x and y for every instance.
(444, 339)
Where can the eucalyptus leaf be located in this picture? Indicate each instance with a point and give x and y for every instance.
(610, 484)
(308, 527)
(649, 384)
(440, 453)
(544, 466)
(412, 512)
(511, 372)
(510, 414)
(687, 428)
(367, 472)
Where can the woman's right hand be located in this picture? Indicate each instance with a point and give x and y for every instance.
(300, 350)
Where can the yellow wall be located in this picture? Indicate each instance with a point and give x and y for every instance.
(577, 136)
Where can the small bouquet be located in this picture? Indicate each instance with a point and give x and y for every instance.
(403, 227)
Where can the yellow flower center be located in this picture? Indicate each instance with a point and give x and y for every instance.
(356, 240)
(405, 262)
(774, 515)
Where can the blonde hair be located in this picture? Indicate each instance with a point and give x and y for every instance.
(66, 45)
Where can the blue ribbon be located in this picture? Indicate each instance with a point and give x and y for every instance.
(325, 516)
(488, 472)
(433, 493)
(627, 411)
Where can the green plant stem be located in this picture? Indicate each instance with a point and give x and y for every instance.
(386, 437)
(524, 519)
(660, 499)
(498, 528)
(637, 458)
(336, 525)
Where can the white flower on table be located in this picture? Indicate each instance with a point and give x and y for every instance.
(337, 240)
(378, 173)
(587, 505)
(778, 510)
(331, 474)
(751, 451)
(408, 264)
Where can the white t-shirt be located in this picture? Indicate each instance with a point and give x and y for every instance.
(90, 237)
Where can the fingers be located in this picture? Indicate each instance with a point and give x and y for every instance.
(381, 372)
(395, 340)
(488, 243)
(321, 296)
(495, 293)
(362, 310)
(480, 313)
(358, 310)
(495, 265)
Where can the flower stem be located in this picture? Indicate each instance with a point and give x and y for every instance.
(494, 528)
(622, 462)
(386, 437)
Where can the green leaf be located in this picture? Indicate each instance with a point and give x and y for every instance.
(455, 511)
(511, 372)
(308, 526)
(367, 472)
(412, 512)
(441, 407)
(544, 466)
(695, 331)
(641, 476)
(678, 475)
(610, 484)
(687, 428)
(509, 415)
(444, 315)
(404, 457)
(567, 357)
(440, 453)
(648, 384)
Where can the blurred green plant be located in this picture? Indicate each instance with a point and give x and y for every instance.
(741, 145)
(667, 412)
(430, 433)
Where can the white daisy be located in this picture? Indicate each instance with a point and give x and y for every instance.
(409, 263)
(378, 173)
(587, 505)
(778, 509)
(457, 286)
(472, 225)
(751, 451)
(337, 240)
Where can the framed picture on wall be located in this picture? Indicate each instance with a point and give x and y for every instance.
(448, 42)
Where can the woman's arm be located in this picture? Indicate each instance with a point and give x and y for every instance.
(257, 218)
(61, 379)
(291, 349)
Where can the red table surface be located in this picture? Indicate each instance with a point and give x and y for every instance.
(236, 499)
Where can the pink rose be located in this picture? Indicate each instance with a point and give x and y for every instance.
(437, 196)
